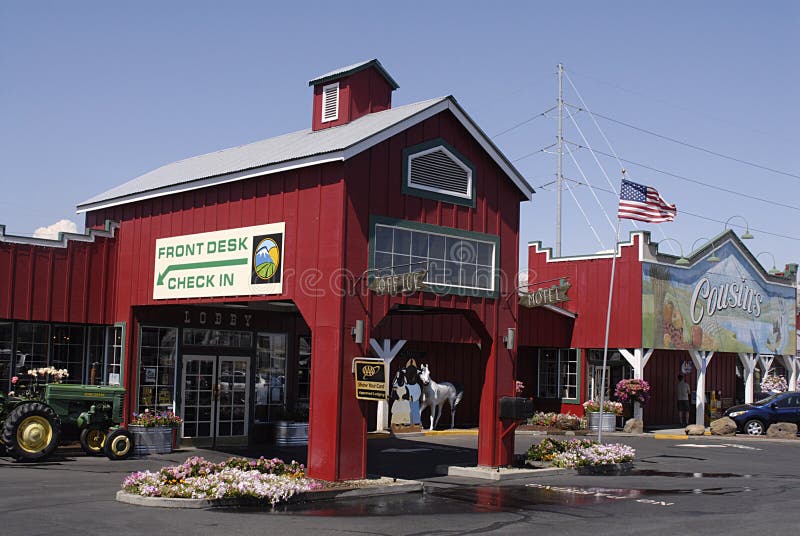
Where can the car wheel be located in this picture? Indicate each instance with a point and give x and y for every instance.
(754, 427)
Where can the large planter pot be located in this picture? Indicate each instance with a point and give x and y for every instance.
(289, 433)
(608, 469)
(609, 423)
(151, 439)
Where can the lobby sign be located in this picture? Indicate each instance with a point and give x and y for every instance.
(370, 374)
(726, 306)
(246, 261)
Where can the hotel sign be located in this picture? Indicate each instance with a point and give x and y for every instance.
(546, 296)
(400, 283)
(246, 261)
(371, 378)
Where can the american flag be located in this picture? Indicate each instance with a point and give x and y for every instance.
(643, 203)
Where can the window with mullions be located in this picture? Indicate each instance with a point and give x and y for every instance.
(32, 347)
(68, 351)
(452, 259)
(157, 350)
(558, 373)
(5, 355)
(270, 376)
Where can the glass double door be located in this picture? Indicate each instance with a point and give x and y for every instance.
(215, 400)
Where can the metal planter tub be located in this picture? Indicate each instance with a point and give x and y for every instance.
(609, 422)
(151, 439)
(289, 433)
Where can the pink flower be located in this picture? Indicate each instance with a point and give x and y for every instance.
(14, 379)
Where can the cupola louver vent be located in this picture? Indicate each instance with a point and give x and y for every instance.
(330, 102)
(438, 170)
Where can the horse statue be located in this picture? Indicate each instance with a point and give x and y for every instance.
(434, 395)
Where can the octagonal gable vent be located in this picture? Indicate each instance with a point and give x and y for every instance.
(440, 171)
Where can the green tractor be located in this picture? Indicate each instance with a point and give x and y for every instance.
(31, 427)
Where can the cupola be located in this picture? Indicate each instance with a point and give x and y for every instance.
(344, 95)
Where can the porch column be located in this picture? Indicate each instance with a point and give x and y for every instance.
(791, 364)
(766, 363)
(749, 362)
(701, 359)
(387, 352)
(638, 360)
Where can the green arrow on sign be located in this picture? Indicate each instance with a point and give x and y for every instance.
(195, 265)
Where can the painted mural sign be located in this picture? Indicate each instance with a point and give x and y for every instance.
(246, 261)
(725, 307)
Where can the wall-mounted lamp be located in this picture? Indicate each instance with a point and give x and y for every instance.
(713, 257)
(774, 270)
(746, 235)
(358, 332)
(509, 338)
(682, 260)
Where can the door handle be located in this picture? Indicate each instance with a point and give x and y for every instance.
(216, 390)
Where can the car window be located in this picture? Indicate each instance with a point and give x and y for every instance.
(770, 398)
(790, 401)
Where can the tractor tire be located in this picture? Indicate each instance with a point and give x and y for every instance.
(31, 432)
(119, 444)
(92, 440)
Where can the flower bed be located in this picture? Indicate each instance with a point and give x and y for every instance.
(264, 479)
(559, 421)
(580, 453)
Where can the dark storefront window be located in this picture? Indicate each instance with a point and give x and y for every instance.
(32, 346)
(5, 355)
(558, 373)
(271, 358)
(68, 351)
(157, 351)
(303, 373)
(217, 337)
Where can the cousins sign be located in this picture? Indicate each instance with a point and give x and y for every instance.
(726, 307)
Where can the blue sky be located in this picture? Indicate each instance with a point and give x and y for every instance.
(96, 93)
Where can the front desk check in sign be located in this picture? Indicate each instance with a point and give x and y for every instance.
(370, 378)
(246, 261)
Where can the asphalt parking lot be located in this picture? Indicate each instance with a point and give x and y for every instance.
(699, 486)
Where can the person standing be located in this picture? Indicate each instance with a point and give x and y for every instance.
(683, 393)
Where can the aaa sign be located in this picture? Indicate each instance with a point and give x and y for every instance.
(370, 378)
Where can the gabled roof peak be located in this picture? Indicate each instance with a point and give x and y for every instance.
(351, 69)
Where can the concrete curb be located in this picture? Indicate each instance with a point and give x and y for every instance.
(498, 473)
(401, 486)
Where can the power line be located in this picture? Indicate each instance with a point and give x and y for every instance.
(670, 104)
(691, 145)
(525, 122)
(777, 235)
(542, 150)
(689, 179)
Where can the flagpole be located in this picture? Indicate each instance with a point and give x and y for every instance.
(608, 324)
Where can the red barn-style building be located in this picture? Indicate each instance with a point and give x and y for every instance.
(233, 287)
(717, 317)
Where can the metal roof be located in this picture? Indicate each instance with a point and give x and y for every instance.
(350, 69)
(291, 151)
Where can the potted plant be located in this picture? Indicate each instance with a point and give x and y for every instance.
(611, 410)
(154, 432)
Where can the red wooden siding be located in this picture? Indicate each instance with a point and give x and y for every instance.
(542, 327)
(360, 93)
(589, 295)
(662, 373)
(443, 327)
(58, 284)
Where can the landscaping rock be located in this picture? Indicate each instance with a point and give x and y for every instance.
(782, 430)
(634, 426)
(724, 427)
(695, 429)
